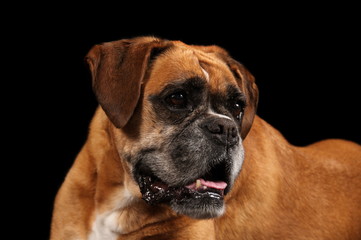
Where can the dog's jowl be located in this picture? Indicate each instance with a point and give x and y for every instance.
(176, 151)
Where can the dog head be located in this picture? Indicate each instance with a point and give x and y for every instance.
(180, 114)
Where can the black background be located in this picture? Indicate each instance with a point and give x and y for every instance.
(306, 66)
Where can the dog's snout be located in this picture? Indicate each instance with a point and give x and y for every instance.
(221, 130)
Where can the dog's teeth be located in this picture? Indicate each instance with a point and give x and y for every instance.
(198, 184)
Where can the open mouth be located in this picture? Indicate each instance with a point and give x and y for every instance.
(212, 185)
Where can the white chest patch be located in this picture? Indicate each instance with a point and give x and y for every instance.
(106, 225)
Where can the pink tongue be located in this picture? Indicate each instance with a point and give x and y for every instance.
(210, 184)
(216, 185)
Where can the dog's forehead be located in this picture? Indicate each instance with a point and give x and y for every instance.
(185, 62)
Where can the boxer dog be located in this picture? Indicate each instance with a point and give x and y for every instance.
(175, 151)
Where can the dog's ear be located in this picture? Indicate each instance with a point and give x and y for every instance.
(246, 82)
(118, 69)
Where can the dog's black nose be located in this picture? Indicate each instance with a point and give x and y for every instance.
(221, 130)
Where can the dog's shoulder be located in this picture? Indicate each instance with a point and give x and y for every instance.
(342, 150)
(335, 161)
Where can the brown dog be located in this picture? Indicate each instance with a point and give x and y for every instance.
(176, 152)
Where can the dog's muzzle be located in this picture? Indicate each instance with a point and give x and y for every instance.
(221, 131)
(213, 185)
(211, 154)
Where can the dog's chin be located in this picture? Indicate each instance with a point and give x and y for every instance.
(200, 206)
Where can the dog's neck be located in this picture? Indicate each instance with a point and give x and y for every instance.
(256, 196)
(120, 211)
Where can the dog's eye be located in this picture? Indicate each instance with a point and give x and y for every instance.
(237, 109)
(177, 99)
